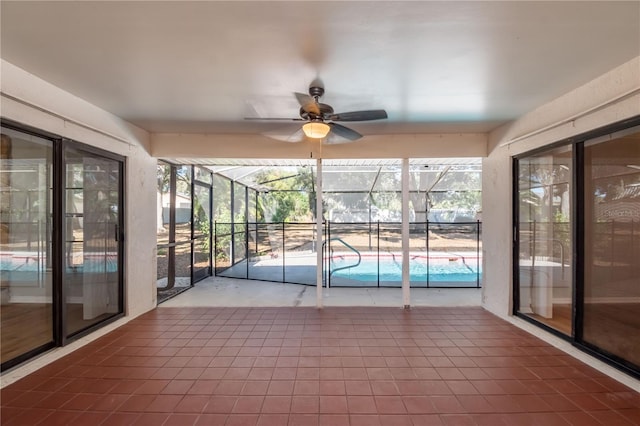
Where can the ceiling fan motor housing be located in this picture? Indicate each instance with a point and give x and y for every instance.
(316, 91)
(325, 110)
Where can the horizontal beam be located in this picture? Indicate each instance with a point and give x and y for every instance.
(174, 145)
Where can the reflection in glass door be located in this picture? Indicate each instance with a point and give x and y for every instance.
(612, 246)
(26, 323)
(545, 265)
(92, 199)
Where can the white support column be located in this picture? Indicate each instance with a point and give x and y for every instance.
(406, 298)
(319, 233)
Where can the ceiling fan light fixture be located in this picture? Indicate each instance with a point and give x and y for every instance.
(316, 129)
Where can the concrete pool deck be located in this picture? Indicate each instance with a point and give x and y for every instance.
(230, 292)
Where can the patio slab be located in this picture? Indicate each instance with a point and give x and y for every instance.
(230, 292)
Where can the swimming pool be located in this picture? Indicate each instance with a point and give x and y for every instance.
(450, 271)
(25, 262)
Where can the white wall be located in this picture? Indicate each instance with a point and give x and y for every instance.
(610, 98)
(496, 234)
(32, 101)
(375, 146)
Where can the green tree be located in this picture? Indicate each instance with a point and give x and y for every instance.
(289, 196)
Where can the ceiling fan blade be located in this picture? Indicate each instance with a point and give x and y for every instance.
(286, 135)
(273, 119)
(344, 132)
(308, 103)
(373, 114)
(334, 139)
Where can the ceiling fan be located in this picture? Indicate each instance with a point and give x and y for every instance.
(321, 119)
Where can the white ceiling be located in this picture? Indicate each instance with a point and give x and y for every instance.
(204, 66)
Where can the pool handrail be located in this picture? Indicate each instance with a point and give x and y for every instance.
(350, 247)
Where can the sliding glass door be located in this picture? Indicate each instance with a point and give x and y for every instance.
(61, 245)
(577, 242)
(611, 317)
(26, 258)
(544, 185)
(92, 239)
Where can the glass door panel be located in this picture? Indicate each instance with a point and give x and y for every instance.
(91, 236)
(25, 244)
(612, 246)
(545, 268)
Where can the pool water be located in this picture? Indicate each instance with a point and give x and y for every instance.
(30, 264)
(390, 269)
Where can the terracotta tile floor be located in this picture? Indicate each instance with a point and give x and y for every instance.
(302, 366)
